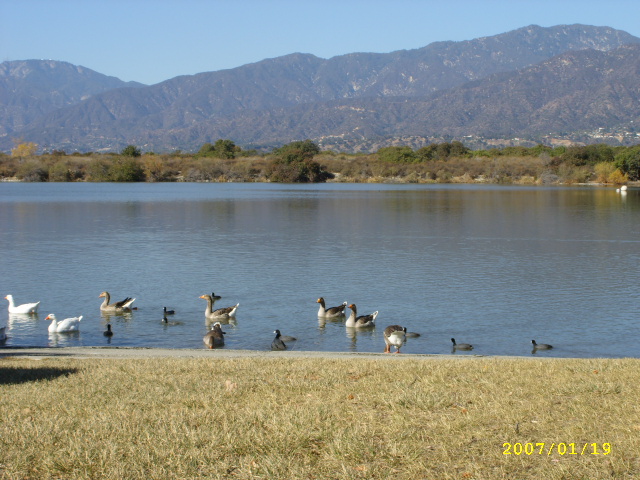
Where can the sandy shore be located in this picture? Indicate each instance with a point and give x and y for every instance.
(123, 352)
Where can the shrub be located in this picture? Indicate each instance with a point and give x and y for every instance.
(397, 155)
(603, 171)
(628, 161)
(294, 163)
(33, 171)
(60, 172)
(126, 169)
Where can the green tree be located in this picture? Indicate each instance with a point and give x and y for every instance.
(628, 162)
(293, 163)
(225, 149)
(397, 155)
(587, 155)
(221, 149)
(130, 151)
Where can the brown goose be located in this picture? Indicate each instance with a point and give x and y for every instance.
(220, 313)
(214, 337)
(122, 306)
(394, 335)
(331, 311)
(362, 321)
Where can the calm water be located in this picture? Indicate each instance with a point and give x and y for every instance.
(492, 266)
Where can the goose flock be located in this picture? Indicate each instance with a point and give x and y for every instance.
(394, 335)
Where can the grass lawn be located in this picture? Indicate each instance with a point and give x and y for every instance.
(316, 418)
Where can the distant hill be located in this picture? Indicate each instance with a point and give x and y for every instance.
(533, 83)
(30, 89)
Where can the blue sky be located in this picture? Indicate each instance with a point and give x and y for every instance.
(153, 40)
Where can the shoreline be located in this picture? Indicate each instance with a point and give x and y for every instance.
(39, 353)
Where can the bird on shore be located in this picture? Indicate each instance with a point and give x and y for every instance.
(108, 332)
(541, 346)
(394, 335)
(214, 337)
(361, 321)
(277, 343)
(121, 306)
(331, 311)
(29, 308)
(71, 324)
(168, 312)
(461, 346)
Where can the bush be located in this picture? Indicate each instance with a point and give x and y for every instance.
(33, 171)
(126, 169)
(397, 155)
(60, 172)
(294, 164)
(628, 161)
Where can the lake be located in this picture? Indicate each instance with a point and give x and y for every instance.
(495, 266)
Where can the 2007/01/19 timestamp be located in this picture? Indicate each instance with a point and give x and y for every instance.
(542, 448)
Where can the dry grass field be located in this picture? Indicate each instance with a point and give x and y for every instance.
(319, 418)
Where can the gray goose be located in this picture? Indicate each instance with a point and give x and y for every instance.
(394, 335)
(214, 337)
(220, 313)
(331, 311)
(362, 321)
(121, 306)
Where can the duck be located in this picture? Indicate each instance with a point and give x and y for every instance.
(541, 346)
(362, 321)
(108, 332)
(168, 312)
(331, 311)
(215, 297)
(122, 306)
(394, 335)
(71, 324)
(210, 313)
(277, 343)
(214, 337)
(461, 346)
(29, 308)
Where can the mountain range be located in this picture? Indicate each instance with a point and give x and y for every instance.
(568, 83)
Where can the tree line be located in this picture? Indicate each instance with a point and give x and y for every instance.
(304, 161)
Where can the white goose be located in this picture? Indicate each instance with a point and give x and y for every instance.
(24, 308)
(362, 321)
(71, 324)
